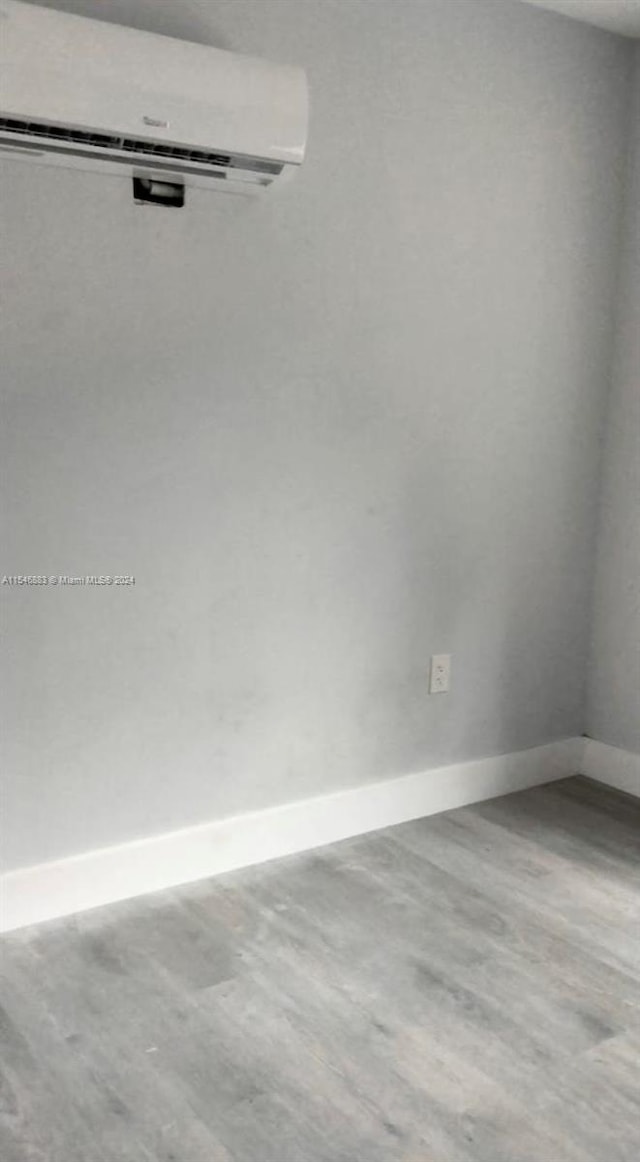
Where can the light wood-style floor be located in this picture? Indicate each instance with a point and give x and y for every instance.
(461, 989)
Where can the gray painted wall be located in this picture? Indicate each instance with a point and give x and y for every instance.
(614, 673)
(330, 433)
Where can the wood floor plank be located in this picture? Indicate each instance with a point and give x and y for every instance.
(619, 805)
(465, 988)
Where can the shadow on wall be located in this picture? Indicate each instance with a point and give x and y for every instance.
(181, 20)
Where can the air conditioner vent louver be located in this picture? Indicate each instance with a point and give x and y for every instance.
(60, 132)
(160, 148)
(143, 147)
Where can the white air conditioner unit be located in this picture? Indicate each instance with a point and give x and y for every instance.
(95, 96)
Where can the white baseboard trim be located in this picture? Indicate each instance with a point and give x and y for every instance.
(611, 765)
(51, 890)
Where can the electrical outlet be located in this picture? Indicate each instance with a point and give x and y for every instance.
(440, 676)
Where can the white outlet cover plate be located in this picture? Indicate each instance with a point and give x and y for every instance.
(440, 676)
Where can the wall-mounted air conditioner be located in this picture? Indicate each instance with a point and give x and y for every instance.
(96, 96)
